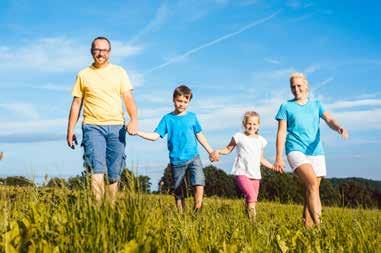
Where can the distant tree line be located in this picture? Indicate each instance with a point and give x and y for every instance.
(128, 182)
(285, 188)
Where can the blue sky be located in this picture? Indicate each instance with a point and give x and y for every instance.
(235, 55)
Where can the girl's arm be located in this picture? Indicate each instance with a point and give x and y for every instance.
(228, 149)
(280, 140)
(148, 136)
(266, 163)
(334, 125)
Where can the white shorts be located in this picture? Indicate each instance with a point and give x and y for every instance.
(297, 158)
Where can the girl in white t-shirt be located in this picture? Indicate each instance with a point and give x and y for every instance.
(246, 167)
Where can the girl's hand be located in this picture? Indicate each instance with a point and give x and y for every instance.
(343, 132)
(279, 166)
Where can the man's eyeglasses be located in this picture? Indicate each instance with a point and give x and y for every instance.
(98, 50)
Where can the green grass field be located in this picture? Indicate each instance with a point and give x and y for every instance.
(56, 220)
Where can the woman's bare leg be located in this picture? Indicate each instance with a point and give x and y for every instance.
(311, 183)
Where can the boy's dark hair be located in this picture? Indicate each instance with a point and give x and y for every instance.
(101, 38)
(182, 90)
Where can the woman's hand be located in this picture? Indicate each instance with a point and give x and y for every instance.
(344, 133)
(279, 165)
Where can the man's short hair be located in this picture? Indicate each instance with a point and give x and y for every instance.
(101, 38)
(183, 90)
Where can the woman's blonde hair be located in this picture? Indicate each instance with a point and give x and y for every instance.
(298, 75)
(249, 114)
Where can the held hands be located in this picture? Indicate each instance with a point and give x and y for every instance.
(279, 166)
(132, 127)
(214, 156)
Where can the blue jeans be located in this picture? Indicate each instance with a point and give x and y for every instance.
(197, 177)
(104, 149)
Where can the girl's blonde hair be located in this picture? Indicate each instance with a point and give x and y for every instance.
(298, 75)
(249, 114)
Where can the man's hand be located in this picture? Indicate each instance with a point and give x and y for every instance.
(132, 127)
(71, 140)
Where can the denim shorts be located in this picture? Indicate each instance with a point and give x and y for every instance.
(179, 171)
(104, 149)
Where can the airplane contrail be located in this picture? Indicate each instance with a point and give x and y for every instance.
(213, 42)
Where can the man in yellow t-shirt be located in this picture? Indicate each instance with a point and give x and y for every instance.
(100, 88)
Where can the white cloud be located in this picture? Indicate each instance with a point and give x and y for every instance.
(121, 50)
(354, 103)
(276, 76)
(32, 126)
(155, 113)
(136, 78)
(54, 87)
(23, 110)
(369, 95)
(154, 98)
(363, 120)
(55, 54)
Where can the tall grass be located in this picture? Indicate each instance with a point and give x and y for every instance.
(59, 220)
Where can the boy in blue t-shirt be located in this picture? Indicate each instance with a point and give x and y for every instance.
(183, 131)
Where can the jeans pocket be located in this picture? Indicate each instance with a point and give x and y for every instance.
(122, 135)
(123, 163)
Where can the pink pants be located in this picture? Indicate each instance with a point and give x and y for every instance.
(249, 187)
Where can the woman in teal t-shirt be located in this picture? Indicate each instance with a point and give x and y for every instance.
(299, 131)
